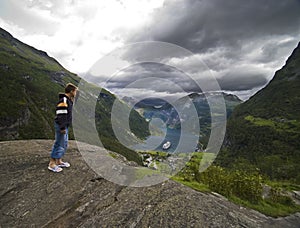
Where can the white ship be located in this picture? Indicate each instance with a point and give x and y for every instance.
(166, 145)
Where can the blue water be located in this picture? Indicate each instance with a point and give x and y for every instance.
(180, 141)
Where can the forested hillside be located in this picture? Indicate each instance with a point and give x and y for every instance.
(264, 132)
(30, 83)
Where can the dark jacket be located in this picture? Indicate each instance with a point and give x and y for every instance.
(64, 111)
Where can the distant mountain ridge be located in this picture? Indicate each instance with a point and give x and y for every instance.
(265, 130)
(30, 83)
(159, 108)
(158, 102)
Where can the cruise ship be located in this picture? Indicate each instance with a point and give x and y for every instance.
(166, 145)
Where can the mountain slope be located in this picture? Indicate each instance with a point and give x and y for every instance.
(30, 83)
(265, 130)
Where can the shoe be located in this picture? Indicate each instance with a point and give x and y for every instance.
(64, 165)
(55, 169)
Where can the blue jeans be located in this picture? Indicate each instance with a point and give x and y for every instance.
(61, 143)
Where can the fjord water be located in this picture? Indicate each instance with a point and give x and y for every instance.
(188, 141)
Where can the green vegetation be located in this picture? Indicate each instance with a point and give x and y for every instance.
(200, 104)
(30, 83)
(267, 144)
(142, 172)
(156, 154)
(277, 124)
(265, 130)
(136, 123)
(192, 184)
(284, 185)
(269, 207)
(242, 185)
(262, 145)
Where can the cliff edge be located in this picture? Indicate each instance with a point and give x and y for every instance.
(32, 196)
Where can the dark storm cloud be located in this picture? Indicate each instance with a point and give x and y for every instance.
(201, 24)
(149, 76)
(258, 35)
(242, 81)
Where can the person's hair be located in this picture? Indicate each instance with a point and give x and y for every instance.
(70, 87)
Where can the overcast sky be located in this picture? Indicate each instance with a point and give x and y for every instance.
(243, 43)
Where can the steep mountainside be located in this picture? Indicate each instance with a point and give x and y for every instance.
(30, 83)
(78, 197)
(265, 130)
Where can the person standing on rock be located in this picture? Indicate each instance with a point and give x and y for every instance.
(62, 122)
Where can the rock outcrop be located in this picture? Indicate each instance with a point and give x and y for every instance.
(32, 196)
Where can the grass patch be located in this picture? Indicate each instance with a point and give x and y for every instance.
(113, 155)
(278, 124)
(268, 207)
(284, 185)
(240, 187)
(141, 172)
(260, 121)
(192, 184)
